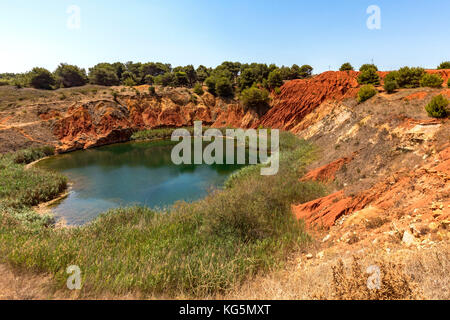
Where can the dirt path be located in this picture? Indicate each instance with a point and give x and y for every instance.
(23, 285)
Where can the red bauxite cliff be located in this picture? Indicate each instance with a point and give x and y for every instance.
(300, 97)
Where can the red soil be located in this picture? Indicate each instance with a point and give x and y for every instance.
(327, 173)
(300, 97)
(404, 192)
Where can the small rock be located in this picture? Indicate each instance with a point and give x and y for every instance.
(408, 238)
(326, 238)
(309, 256)
(437, 213)
(319, 255)
(433, 226)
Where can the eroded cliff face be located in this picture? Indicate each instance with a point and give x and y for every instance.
(105, 121)
(298, 98)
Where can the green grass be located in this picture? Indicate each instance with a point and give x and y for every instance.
(192, 249)
(23, 188)
(158, 133)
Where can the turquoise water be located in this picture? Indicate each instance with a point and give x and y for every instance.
(126, 174)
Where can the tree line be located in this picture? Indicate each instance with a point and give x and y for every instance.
(224, 80)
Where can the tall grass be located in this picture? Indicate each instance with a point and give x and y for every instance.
(20, 187)
(191, 249)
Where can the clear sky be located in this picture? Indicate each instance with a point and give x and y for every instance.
(321, 33)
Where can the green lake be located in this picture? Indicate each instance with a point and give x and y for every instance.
(127, 174)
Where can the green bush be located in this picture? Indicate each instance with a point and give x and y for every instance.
(20, 187)
(149, 79)
(198, 89)
(224, 87)
(32, 154)
(444, 65)
(366, 92)
(40, 78)
(409, 77)
(437, 108)
(367, 66)
(211, 85)
(129, 82)
(448, 82)
(166, 79)
(431, 80)
(275, 79)
(103, 74)
(305, 71)
(254, 98)
(369, 76)
(70, 76)
(152, 90)
(346, 67)
(277, 90)
(390, 85)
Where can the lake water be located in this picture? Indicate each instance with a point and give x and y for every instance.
(126, 174)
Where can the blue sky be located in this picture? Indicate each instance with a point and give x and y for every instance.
(323, 33)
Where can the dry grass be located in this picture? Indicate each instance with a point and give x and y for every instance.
(427, 273)
(357, 283)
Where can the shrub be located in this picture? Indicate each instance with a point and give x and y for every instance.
(367, 66)
(366, 92)
(198, 90)
(149, 79)
(390, 85)
(444, 65)
(41, 78)
(211, 84)
(346, 67)
(353, 284)
(277, 90)
(32, 154)
(129, 82)
(70, 76)
(224, 87)
(369, 76)
(431, 80)
(305, 71)
(166, 79)
(254, 98)
(437, 108)
(103, 74)
(409, 77)
(152, 90)
(275, 79)
(448, 82)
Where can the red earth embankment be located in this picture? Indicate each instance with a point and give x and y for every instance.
(299, 97)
